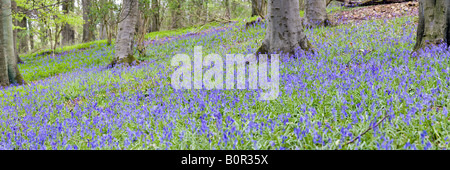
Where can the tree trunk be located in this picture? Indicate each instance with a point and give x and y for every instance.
(255, 7)
(176, 14)
(155, 21)
(316, 13)
(227, 9)
(283, 30)
(68, 34)
(258, 8)
(111, 26)
(31, 36)
(43, 33)
(16, 52)
(22, 33)
(302, 5)
(88, 33)
(125, 35)
(9, 72)
(434, 23)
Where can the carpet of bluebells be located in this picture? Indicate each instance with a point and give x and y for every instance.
(361, 73)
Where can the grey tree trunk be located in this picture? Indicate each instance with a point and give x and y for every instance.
(68, 33)
(434, 23)
(283, 29)
(316, 13)
(102, 31)
(125, 35)
(88, 32)
(9, 72)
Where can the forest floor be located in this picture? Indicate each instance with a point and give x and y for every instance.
(387, 11)
(363, 79)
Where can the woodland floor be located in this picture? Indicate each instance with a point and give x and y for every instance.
(363, 79)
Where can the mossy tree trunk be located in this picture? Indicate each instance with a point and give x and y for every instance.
(88, 26)
(284, 32)
(9, 72)
(125, 35)
(258, 7)
(434, 22)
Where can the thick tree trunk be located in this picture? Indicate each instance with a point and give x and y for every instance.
(284, 32)
(434, 23)
(88, 33)
(125, 35)
(68, 33)
(9, 72)
(316, 13)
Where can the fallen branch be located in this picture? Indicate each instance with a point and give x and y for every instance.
(354, 139)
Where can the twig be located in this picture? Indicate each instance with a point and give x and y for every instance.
(354, 139)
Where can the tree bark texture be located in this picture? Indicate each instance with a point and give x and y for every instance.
(258, 8)
(155, 21)
(176, 14)
(284, 32)
(88, 30)
(316, 13)
(9, 72)
(68, 33)
(434, 23)
(125, 35)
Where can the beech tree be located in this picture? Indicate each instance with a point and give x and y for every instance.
(125, 36)
(15, 31)
(175, 10)
(155, 21)
(258, 7)
(88, 30)
(226, 3)
(68, 34)
(9, 72)
(316, 13)
(283, 29)
(434, 23)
